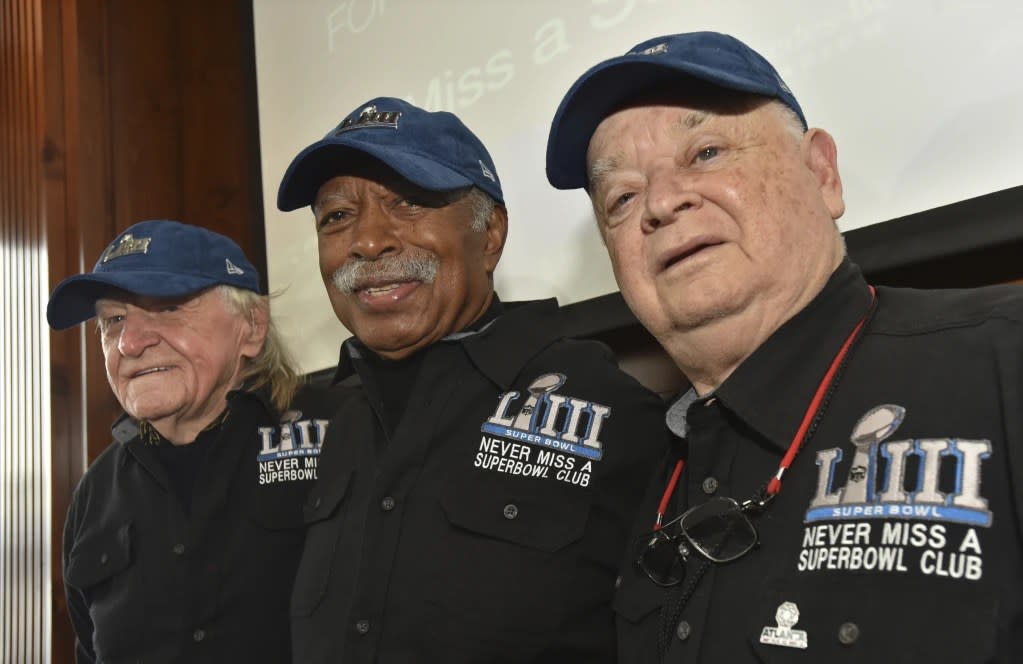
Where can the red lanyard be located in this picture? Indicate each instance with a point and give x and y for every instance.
(812, 410)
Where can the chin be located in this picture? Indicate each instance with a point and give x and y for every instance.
(396, 347)
(394, 351)
(696, 315)
(148, 414)
(150, 409)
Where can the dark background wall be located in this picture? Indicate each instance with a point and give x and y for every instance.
(115, 111)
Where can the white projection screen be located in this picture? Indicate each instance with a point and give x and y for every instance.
(924, 99)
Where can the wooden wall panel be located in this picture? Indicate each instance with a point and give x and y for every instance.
(62, 178)
(111, 112)
(220, 140)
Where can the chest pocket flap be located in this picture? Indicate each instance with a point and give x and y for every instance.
(99, 555)
(637, 597)
(547, 518)
(324, 498)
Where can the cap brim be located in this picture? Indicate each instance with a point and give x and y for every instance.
(73, 301)
(604, 89)
(325, 159)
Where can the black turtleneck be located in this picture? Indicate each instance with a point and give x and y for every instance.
(182, 462)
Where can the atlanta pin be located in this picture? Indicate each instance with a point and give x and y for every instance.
(786, 616)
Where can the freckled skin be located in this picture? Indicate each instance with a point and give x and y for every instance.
(753, 204)
(379, 216)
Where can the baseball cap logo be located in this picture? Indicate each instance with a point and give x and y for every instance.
(487, 173)
(369, 117)
(653, 50)
(127, 246)
(232, 268)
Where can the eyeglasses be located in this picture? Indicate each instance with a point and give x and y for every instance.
(719, 530)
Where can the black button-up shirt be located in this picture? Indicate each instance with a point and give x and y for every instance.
(489, 526)
(148, 580)
(896, 535)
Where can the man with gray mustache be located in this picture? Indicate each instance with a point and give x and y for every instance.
(353, 275)
(479, 476)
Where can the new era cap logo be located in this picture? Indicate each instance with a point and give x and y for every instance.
(127, 246)
(487, 173)
(232, 268)
(369, 117)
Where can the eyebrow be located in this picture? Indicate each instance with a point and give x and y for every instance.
(695, 119)
(332, 196)
(599, 169)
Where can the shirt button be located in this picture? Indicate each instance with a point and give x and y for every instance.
(683, 630)
(709, 401)
(179, 549)
(103, 559)
(510, 511)
(387, 504)
(362, 627)
(710, 485)
(317, 503)
(198, 635)
(618, 582)
(848, 633)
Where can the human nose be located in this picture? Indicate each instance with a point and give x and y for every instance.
(137, 334)
(669, 193)
(374, 235)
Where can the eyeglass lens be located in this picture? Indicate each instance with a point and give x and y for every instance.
(660, 558)
(717, 529)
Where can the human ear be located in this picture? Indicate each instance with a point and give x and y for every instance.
(820, 155)
(257, 324)
(497, 233)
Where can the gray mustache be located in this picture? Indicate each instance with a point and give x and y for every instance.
(358, 273)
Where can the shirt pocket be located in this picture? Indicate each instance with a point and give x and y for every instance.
(281, 507)
(322, 516)
(876, 619)
(98, 556)
(637, 598)
(637, 606)
(100, 566)
(546, 517)
(508, 566)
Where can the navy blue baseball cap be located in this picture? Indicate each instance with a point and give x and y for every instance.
(156, 258)
(711, 57)
(432, 150)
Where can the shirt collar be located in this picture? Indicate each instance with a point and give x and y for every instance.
(676, 415)
(501, 350)
(771, 389)
(498, 325)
